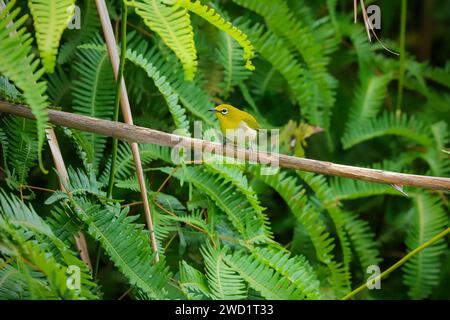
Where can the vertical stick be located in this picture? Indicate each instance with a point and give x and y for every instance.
(366, 20)
(401, 75)
(123, 51)
(126, 113)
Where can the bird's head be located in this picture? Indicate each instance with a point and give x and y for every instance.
(231, 118)
(226, 111)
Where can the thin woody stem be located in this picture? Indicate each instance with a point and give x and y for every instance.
(123, 50)
(143, 135)
(127, 116)
(398, 263)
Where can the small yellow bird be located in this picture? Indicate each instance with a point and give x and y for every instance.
(231, 118)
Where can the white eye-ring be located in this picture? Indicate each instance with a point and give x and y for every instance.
(224, 111)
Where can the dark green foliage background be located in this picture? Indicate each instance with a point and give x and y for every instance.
(348, 87)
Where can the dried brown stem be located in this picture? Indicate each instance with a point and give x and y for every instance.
(131, 133)
(80, 240)
(127, 116)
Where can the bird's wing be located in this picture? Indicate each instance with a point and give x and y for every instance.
(251, 121)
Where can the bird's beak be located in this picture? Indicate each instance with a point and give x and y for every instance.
(212, 110)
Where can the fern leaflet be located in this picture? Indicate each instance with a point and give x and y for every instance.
(173, 25)
(50, 20)
(422, 271)
(19, 65)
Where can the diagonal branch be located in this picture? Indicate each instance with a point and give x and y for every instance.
(136, 134)
(80, 239)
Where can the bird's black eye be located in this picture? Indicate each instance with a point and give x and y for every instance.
(224, 111)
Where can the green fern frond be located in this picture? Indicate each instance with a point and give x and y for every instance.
(125, 162)
(191, 95)
(171, 97)
(164, 203)
(19, 215)
(439, 75)
(195, 218)
(248, 222)
(296, 269)
(24, 217)
(361, 47)
(19, 65)
(324, 194)
(90, 24)
(347, 189)
(82, 183)
(64, 225)
(309, 217)
(178, 113)
(233, 174)
(421, 272)
(224, 282)
(94, 93)
(59, 87)
(265, 78)
(331, 6)
(4, 146)
(50, 20)
(22, 224)
(79, 184)
(173, 25)
(265, 280)
(281, 20)
(15, 245)
(193, 283)
(387, 124)
(8, 91)
(294, 195)
(439, 163)
(210, 15)
(362, 239)
(230, 57)
(168, 201)
(227, 197)
(275, 50)
(368, 98)
(194, 99)
(84, 148)
(127, 245)
(14, 284)
(22, 148)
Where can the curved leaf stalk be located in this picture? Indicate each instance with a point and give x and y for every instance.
(407, 257)
(210, 15)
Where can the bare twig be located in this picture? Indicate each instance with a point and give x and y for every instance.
(369, 27)
(143, 135)
(80, 240)
(126, 113)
